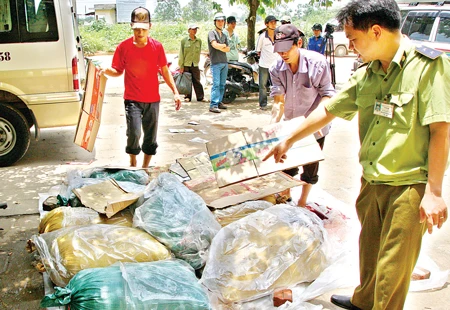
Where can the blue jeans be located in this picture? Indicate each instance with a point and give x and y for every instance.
(263, 78)
(219, 75)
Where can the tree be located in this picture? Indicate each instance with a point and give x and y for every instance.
(280, 10)
(256, 6)
(198, 10)
(169, 10)
(325, 3)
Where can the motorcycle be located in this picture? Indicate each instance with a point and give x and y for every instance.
(173, 68)
(241, 79)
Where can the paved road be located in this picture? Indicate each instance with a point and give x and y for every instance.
(48, 160)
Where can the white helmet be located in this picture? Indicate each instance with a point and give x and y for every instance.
(219, 16)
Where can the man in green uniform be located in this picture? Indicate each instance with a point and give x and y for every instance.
(188, 59)
(403, 101)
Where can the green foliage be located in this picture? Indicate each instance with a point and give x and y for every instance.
(314, 15)
(198, 11)
(167, 10)
(324, 3)
(98, 39)
(102, 37)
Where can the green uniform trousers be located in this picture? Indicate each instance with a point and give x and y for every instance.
(389, 243)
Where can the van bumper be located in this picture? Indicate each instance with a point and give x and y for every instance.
(54, 109)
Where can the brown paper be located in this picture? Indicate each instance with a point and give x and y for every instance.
(106, 197)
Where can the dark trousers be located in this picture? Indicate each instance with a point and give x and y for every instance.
(141, 117)
(310, 171)
(198, 87)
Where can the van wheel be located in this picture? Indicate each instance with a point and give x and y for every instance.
(340, 51)
(14, 135)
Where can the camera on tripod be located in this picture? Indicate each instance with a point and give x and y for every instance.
(329, 29)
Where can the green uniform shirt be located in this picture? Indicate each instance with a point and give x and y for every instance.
(233, 43)
(189, 54)
(394, 151)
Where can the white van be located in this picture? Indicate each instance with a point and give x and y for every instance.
(41, 64)
(427, 23)
(340, 41)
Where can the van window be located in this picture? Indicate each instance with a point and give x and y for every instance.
(443, 32)
(418, 25)
(40, 20)
(37, 21)
(5, 16)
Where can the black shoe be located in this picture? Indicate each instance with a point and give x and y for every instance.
(264, 108)
(222, 106)
(343, 302)
(214, 110)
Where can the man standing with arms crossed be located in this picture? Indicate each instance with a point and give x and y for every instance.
(188, 59)
(218, 47)
(301, 79)
(403, 104)
(140, 57)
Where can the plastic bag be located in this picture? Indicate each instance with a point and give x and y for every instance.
(275, 248)
(169, 284)
(135, 176)
(183, 81)
(67, 217)
(231, 214)
(66, 251)
(178, 218)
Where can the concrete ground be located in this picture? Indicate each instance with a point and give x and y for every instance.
(48, 160)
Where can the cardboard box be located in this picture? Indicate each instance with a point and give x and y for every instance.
(253, 189)
(91, 110)
(106, 197)
(238, 156)
(197, 167)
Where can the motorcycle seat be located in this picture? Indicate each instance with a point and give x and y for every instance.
(242, 64)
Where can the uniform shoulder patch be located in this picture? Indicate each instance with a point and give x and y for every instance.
(428, 52)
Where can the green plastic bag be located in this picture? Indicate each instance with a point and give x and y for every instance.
(178, 218)
(135, 176)
(168, 285)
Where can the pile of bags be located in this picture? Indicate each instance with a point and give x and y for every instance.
(155, 260)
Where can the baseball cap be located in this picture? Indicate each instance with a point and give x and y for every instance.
(269, 18)
(193, 26)
(140, 18)
(231, 19)
(286, 19)
(285, 36)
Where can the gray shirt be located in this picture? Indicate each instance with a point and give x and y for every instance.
(215, 55)
(303, 90)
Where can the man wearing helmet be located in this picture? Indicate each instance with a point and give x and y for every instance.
(317, 42)
(233, 39)
(218, 47)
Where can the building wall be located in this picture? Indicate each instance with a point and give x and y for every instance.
(108, 15)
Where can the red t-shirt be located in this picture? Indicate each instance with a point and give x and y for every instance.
(141, 69)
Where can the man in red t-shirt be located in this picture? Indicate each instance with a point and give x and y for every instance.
(140, 57)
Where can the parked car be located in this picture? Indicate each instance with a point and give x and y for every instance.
(41, 68)
(424, 22)
(340, 40)
(427, 23)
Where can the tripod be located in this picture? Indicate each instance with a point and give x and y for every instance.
(329, 54)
